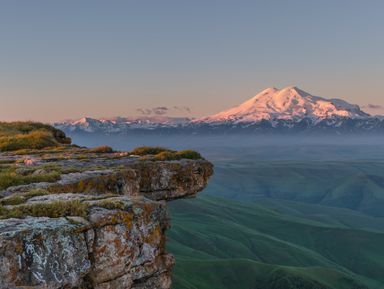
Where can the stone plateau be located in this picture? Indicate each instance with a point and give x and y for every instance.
(98, 222)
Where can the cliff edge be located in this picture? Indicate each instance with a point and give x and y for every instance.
(91, 218)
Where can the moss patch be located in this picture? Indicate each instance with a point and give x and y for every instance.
(9, 178)
(61, 208)
(53, 210)
(111, 204)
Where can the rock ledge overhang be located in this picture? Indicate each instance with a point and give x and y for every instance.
(119, 242)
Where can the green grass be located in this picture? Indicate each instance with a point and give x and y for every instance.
(9, 177)
(289, 224)
(54, 210)
(29, 135)
(224, 244)
(14, 207)
(352, 184)
(246, 273)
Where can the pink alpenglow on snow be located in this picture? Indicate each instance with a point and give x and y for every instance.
(288, 103)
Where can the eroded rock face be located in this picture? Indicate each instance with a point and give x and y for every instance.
(118, 240)
(42, 252)
(156, 180)
(112, 248)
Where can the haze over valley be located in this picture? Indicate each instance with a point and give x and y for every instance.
(280, 212)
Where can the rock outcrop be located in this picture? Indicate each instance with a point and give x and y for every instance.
(76, 219)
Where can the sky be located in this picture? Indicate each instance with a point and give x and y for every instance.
(68, 59)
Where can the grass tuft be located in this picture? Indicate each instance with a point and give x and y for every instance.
(142, 151)
(101, 149)
(164, 154)
(53, 210)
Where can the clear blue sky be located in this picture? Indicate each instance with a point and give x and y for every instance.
(70, 58)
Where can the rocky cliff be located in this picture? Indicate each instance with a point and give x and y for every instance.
(78, 218)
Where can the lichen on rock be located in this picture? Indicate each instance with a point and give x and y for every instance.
(42, 252)
(100, 224)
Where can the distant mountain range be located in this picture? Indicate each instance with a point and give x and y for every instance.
(270, 111)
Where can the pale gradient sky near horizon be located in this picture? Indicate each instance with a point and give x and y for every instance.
(74, 58)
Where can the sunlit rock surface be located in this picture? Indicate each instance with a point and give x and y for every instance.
(99, 223)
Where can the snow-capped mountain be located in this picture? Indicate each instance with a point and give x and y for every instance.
(290, 103)
(270, 111)
(119, 124)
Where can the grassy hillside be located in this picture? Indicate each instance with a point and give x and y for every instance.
(224, 244)
(245, 273)
(29, 135)
(352, 184)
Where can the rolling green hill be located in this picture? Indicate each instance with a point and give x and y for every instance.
(224, 244)
(353, 184)
(283, 217)
(279, 213)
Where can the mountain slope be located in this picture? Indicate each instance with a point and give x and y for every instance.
(225, 244)
(356, 185)
(304, 217)
(290, 103)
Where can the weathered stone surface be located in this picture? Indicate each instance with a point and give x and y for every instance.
(161, 281)
(173, 180)
(122, 282)
(112, 249)
(156, 180)
(118, 241)
(127, 239)
(42, 252)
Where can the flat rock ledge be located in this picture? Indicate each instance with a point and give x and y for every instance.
(101, 225)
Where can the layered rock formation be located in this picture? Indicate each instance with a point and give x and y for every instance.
(90, 220)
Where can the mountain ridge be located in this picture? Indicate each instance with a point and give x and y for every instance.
(271, 111)
(290, 103)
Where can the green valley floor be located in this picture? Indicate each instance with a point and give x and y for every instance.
(272, 244)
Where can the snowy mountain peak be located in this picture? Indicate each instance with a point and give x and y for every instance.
(272, 110)
(83, 121)
(290, 103)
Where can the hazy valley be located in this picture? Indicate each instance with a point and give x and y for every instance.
(280, 212)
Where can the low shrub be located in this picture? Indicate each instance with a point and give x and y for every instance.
(101, 149)
(189, 154)
(142, 151)
(33, 140)
(166, 156)
(170, 155)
